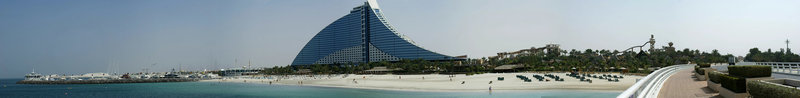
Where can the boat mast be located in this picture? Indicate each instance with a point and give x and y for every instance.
(235, 61)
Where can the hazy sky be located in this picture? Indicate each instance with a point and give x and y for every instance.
(81, 36)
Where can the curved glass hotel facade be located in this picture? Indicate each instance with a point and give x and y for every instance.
(363, 35)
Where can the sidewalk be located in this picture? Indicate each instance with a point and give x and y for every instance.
(683, 85)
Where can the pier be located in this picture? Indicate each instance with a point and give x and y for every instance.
(683, 85)
(650, 86)
(679, 82)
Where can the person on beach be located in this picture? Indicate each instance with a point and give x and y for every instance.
(423, 78)
(270, 82)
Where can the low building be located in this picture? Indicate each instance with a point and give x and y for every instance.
(380, 70)
(239, 71)
(508, 68)
(303, 71)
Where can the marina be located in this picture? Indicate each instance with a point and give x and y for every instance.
(109, 81)
(105, 78)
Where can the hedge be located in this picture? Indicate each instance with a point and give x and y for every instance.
(750, 71)
(714, 76)
(704, 65)
(733, 83)
(761, 89)
(699, 70)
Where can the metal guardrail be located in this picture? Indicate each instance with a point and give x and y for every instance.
(650, 85)
(779, 67)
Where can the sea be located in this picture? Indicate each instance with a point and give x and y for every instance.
(10, 89)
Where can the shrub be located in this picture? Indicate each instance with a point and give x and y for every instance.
(704, 65)
(733, 83)
(714, 76)
(762, 89)
(750, 71)
(699, 70)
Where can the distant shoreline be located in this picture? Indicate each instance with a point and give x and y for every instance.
(111, 81)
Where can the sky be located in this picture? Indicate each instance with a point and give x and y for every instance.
(122, 36)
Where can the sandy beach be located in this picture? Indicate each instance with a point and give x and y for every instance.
(440, 82)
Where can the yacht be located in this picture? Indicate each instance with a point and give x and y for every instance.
(33, 76)
(171, 74)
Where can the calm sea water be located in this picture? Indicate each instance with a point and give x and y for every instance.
(240, 90)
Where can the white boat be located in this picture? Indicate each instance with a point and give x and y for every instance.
(33, 76)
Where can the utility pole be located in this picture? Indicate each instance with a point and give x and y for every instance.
(787, 44)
